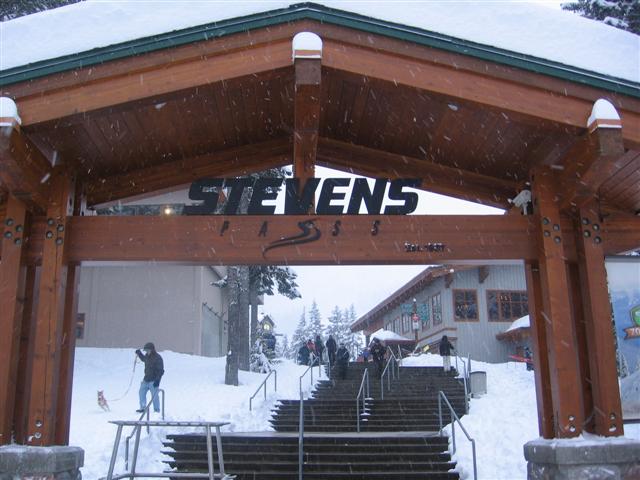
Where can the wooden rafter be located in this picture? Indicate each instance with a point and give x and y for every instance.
(436, 178)
(306, 113)
(150, 181)
(24, 170)
(594, 158)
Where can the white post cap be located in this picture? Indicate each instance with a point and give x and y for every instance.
(603, 115)
(306, 45)
(8, 113)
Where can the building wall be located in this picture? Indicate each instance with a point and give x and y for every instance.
(126, 306)
(213, 311)
(474, 338)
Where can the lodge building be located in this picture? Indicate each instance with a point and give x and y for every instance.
(472, 305)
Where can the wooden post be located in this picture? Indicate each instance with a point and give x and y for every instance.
(307, 56)
(45, 375)
(556, 309)
(607, 409)
(67, 355)
(26, 351)
(11, 308)
(540, 353)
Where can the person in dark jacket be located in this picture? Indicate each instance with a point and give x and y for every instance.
(331, 349)
(342, 361)
(377, 352)
(319, 347)
(303, 354)
(153, 371)
(445, 353)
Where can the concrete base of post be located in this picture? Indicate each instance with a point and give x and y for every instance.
(583, 459)
(18, 462)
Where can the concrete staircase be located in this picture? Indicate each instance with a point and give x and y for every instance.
(398, 440)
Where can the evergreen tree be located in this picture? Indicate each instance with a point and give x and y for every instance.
(623, 14)
(282, 348)
(335, 324)
(351, 340)
(300, 335)
(315, 322)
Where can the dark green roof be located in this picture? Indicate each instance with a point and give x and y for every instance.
(321, 13)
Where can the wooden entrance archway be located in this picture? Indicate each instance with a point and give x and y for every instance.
(391, 107)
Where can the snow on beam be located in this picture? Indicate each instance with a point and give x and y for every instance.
(9, 113)
(603, 115)
(306, 45)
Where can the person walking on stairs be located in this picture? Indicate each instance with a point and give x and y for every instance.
(445, 353)
(331, 349)
(342, 358)
(319, 347)
(377, 354)
(303, 354)
(153, 371)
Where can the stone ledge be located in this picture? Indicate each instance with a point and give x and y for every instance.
(18, 459)
(583, 458)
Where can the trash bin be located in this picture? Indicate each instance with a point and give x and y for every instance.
(477, 383)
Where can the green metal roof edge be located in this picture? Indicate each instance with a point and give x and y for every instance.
(321, 13)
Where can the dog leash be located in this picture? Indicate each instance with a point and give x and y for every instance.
(135, 361)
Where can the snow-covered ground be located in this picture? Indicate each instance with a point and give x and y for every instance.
(500, 422)
(194, 388)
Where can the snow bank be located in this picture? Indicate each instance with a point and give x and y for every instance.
(501, 421)
(385, 335)
(522, 27)
(195, 391)
(522, 322)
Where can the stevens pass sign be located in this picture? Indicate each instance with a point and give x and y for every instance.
(299, 200)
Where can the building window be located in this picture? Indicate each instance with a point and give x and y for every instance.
(424, 310)
(465, 305)
(80, 326)
(396, 324)
(436, 309)
(507, 306)
(406, 322)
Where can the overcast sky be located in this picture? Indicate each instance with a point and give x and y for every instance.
(362, 286)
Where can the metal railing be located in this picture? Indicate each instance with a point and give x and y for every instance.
(454, 418)
(263, 385)
(142, 415)
(393, 363)
(301, 420)
(398, 361)
(363, 392)
(465, 381)
(138, 424)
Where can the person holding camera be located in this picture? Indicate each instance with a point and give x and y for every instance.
(153, 371)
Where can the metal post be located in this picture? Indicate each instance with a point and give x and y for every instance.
(207, 430)
(114, 453)
(358, 415)
(453, 431)
(162, 405)
(148, 406)
(264, 389)
(219, 447)
(475, 467)
(275, 380)
(136, 445)
(300, 436)
(440, 411)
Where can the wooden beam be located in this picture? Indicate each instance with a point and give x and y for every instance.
(45, 374)
(502, 94)
(67, 355)
(360, 240)
(560, 335)
(540, 356)
(435, 177)
(24, 170)
(11, 308)
(621, 233)
(593, 159)
(165, 77)
(607, 409)
(225, 163)
(306, 112)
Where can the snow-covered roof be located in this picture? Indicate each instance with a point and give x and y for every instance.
(524, 28)
(522, 322)
(387, 335)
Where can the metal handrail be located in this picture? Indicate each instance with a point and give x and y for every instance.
(138, 424)
(392, 359)
(396, 372)
(301, 420)
(454, 418)
(365, 393)
(134, 431)
(264, 384)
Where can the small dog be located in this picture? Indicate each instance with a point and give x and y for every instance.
(102, 402)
